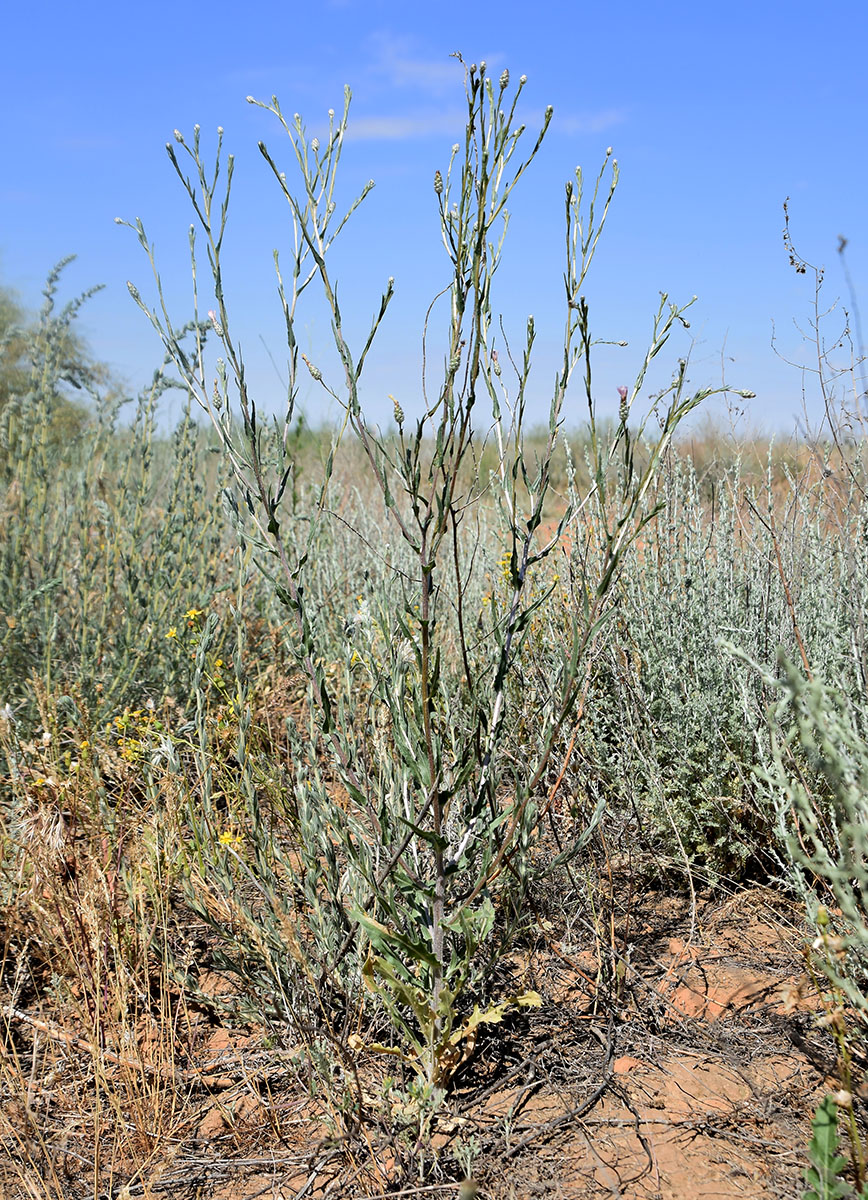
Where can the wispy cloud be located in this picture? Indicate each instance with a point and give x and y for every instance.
(407, 126)
(398, 61)
(589, 122)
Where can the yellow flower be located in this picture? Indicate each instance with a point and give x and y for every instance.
(193, 614)
(173, 632)
(229, 839)
(218, 663)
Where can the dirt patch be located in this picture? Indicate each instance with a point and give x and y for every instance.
(694, 1074)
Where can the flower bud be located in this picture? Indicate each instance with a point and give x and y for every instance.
(504, 79)
(314, 145)
(399, 412)
(624, 407)
(315, 372)
(438, 182)
(179, 137)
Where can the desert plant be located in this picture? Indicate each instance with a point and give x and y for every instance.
(418, 811)
(107, 536)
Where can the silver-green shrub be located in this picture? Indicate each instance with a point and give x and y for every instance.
(417, 796)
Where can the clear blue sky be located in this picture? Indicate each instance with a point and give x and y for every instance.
(716, 112)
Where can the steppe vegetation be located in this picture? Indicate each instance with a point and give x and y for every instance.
(380, 808)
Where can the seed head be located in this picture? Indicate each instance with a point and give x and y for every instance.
(314, 145)
(504, 79)
(438, 182)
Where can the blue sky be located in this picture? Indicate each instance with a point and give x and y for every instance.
(716, 113)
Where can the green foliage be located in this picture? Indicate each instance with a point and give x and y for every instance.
(44, 365)
(820, 774)
(823, 1175)
(108, 538)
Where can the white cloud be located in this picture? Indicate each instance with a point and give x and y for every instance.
(407, 126)
(589, 122)
(393, 57)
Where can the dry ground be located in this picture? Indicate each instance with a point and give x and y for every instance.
(698, 1080)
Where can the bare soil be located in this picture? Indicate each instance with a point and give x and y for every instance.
(696, 1077)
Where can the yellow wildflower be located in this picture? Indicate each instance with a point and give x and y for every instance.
(227, 838)
(173, 632)
(193, 614)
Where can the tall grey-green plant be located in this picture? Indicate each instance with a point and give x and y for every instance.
(417, 837)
